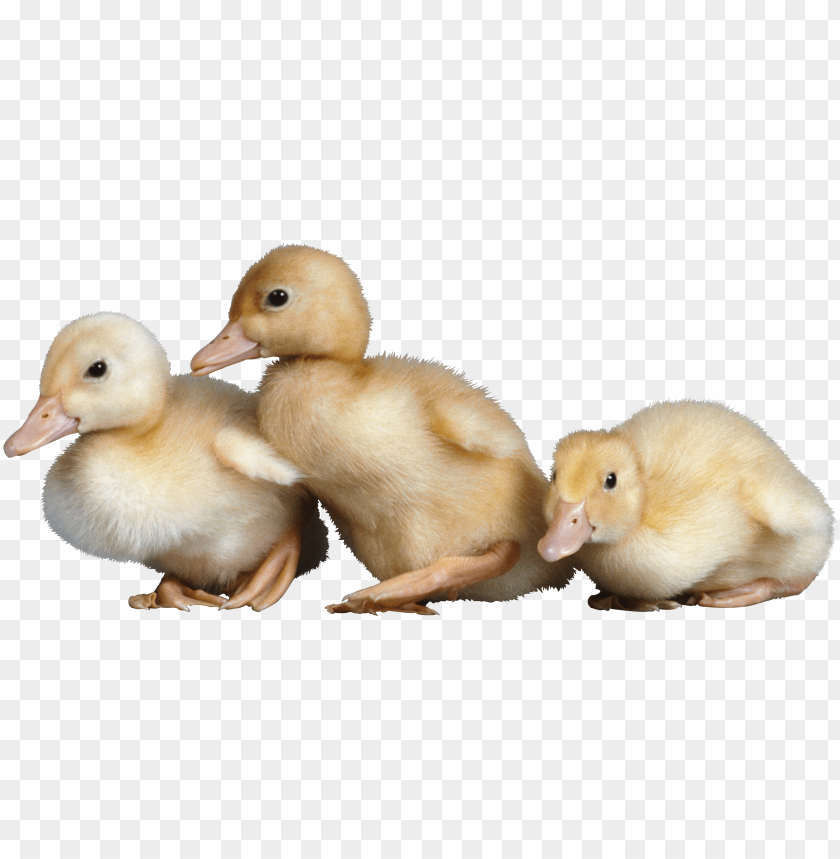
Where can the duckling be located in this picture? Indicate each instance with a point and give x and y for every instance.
(685, 503)
(429, 481)
(169, 471)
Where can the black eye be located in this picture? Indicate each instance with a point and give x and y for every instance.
(611, 481)
(97, 369)
(278, 298)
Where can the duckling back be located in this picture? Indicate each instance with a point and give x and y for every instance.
(686, 444)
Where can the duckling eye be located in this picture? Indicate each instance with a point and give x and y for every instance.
(611, 481)
(97, 369)
(278, 297)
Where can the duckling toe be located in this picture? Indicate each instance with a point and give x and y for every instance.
(366, 605)
(143, 601)
(668, 605)
(172, 593)
(264, 587)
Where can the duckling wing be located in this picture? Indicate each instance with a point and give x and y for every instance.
(462, 414)
(475, 430)
(253, 456)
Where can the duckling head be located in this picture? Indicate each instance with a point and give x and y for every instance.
(101, 372)
(296, 301)
(596, 493)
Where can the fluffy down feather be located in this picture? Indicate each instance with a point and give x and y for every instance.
(157, 476)
(412, 462)
(688, 502)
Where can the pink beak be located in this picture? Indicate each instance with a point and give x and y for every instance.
(46, 422)
(567, 533)
(230, 347)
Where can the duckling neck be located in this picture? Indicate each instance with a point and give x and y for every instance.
(345, 354)
(345, 348)
(296, 365)
(145, 426)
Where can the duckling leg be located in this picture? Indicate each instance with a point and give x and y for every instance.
(172, 593)
(448, 575)
(263, 588)
(751, 593)
(604, 601)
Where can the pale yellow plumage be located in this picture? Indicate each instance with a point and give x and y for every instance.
(704, 502)
(412, 462)
(170, 472)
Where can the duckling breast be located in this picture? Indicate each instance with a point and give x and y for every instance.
(173, 513)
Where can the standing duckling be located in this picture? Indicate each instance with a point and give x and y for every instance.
(169, 471)
(430, 482)
(685, 503)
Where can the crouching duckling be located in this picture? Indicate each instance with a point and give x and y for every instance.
(429, 481)
(169, 471)
(685, 503)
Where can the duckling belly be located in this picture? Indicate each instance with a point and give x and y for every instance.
(201, 523)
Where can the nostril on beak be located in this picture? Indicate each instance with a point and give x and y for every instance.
(226, 337)
(574, 521)
(44, 416)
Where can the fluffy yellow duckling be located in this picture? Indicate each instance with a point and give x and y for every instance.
(429, 481)
(685, 503)
(169, 471)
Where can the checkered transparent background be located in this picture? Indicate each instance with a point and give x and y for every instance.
(585, 210)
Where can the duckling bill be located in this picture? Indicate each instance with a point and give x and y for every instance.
(170, 472)
(686, 503)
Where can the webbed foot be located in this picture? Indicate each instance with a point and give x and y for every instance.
(448, 576)
(604, 601)
(263, 588)
(359, 603)
(752, 593)
(173, 593)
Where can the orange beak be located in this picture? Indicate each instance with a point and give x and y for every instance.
(230, 347)
(567, 533)
(46, 422)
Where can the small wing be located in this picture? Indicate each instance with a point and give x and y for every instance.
(460, 413)
(254, 457)
(471, 420)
